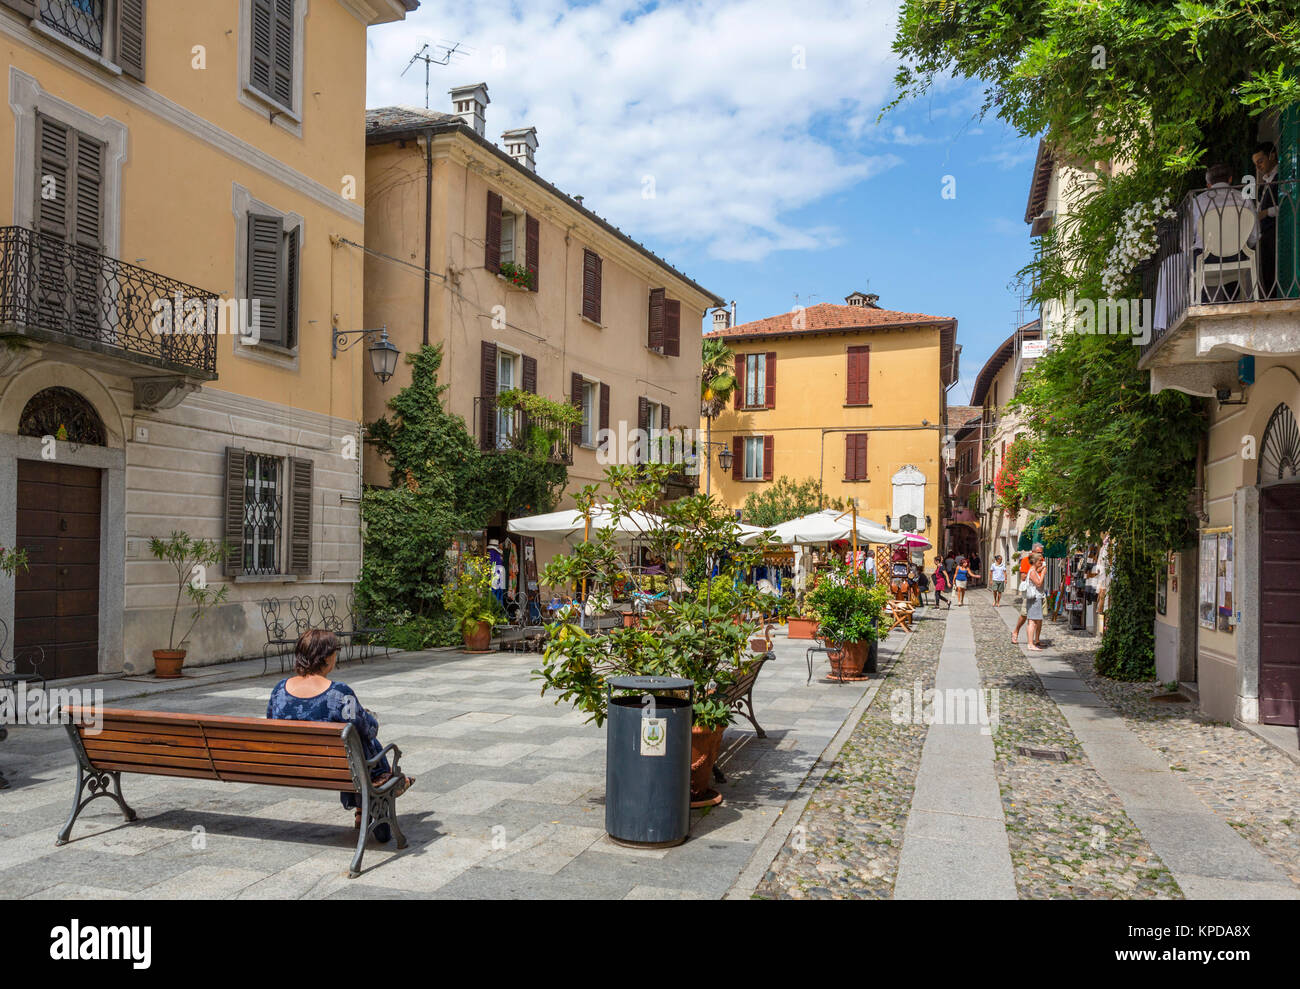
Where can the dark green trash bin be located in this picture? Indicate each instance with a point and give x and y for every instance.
(648, 761)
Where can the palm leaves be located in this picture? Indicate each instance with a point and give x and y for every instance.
(717, 378)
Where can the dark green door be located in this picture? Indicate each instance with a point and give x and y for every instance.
(1288, 236)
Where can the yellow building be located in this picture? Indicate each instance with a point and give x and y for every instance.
(174, 164)
(526, 288)
(852, 396)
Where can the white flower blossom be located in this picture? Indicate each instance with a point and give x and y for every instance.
(1135, 241)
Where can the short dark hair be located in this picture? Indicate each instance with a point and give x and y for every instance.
(1267, 147)
(1218, 173)
(315, 647)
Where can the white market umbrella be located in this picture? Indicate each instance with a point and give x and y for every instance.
(827, 526)
(571, 525)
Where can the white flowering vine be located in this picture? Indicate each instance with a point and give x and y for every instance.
(1135, 241)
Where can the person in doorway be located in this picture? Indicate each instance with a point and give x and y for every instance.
(310, 695)
(950, 564)
(962, 577)
(940, 583)
(998, 577)
(975, 565)
(1266, 168)
(1035, 593)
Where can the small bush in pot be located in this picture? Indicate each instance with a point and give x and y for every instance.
(699, 633)
(849, 608)
(472, 604)
(190, 558)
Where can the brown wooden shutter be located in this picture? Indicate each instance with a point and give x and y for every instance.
(533, 248)
(233, 529)
(673, 328)
(643, 413)
(487, 406)
(768, 445)
(575, 396)
(737, 458)
(591, 285)
(604, 413)
(862, 456)
(769, 377)
(282, 55)
(492, 237)
(263, 46)
(265, 238)
(739, 394)
(530, 374)
(300, 477)
(663, 417)
(859, 372)
(292, 293)
(850, 457)
(25, 7)
(130, 38)
(53, 142)
(655, 336)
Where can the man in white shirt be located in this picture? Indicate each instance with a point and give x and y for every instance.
(1221, 206)
(998, 578)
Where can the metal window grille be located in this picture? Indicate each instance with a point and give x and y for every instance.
(262, 515)
(80, 20)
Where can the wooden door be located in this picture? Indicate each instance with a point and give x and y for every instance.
(1279, 638)
(56, 601)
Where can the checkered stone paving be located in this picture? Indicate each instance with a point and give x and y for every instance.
(509, 800)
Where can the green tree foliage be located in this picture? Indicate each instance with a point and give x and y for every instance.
(786, 499)
(441, 484)
(1166, 88)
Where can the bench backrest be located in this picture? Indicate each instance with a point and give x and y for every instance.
(311, 754)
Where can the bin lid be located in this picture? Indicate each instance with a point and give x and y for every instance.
(648, 683)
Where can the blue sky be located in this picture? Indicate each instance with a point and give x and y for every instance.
(754, 125)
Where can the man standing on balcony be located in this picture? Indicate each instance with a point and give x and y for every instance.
(1266, 163)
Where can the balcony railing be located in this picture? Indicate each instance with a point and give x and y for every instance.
(1222, 249)
(498, 429)
(81, 21)
(60, 293)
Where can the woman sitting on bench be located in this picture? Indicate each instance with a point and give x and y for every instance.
(310, 695)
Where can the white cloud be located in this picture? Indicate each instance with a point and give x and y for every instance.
(703, 96)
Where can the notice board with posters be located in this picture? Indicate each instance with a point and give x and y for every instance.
(1214, 597)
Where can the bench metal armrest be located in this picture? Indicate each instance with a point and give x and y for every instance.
(397, 755)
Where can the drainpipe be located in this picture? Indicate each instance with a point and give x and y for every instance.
(428, 225)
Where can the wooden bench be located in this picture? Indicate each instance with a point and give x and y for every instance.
(739, 695)
(317, 755)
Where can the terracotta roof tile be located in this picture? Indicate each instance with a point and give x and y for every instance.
(825, 317)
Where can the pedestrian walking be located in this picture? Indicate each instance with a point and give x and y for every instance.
(940, 583)
(1022, 587)
(1035, 594)
(998, 578)
(961, 578)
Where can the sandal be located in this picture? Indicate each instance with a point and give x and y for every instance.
(402, 787)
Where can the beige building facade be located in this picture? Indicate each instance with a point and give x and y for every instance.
(526, 288)
(158, 193)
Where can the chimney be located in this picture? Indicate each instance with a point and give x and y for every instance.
(866, 300)
(721, 319)
(469, 102)
(521, 145)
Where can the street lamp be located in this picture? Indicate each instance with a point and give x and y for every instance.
(383, 354)
(725, 457)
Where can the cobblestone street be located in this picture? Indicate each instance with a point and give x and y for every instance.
(1068, 826)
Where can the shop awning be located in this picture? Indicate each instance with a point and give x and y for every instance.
(1033, 533)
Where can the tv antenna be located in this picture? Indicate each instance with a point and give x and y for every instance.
(441, 55)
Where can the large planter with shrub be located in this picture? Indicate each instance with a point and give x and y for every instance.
(479, 638)
(190, 558)
(705, 745)
(167, 663)
(849, 661)
(472, 604)
(849, 606)
(802, 628)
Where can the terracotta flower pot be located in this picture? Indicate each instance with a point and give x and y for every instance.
(479, 639)
(167, 663)
(705, 743)
(802, 628)
(850, 660)
(631, 618)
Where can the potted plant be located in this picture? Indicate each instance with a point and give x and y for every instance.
(699, 634)
(849, 607)
(190, 558)
(517, 274)
(472, 604)
(800, 623)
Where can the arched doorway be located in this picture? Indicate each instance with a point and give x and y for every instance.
(1279, 555)
(56, 599)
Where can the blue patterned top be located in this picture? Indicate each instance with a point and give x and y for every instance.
(338, 703)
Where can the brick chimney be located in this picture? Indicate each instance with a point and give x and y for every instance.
(469, 103)
(867, 300)
(521, 145)
(721, 319)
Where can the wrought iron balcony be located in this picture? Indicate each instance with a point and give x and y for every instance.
(81, 21)
(499, 430)
(1224, 254)
(59, 293)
